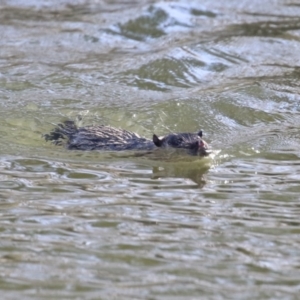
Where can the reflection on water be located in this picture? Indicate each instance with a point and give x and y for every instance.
(93, 225)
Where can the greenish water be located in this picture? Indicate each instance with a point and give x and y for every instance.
(90, 225)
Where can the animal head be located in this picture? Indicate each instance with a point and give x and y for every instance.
(192, 142)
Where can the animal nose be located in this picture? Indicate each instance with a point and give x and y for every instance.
(202, 144)
(203, 148)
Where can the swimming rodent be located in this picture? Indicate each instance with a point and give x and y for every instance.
(101, 137)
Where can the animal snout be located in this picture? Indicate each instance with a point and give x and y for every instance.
(203, 147)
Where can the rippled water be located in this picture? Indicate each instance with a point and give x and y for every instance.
(90, 225)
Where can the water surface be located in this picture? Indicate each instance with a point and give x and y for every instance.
(90, 225)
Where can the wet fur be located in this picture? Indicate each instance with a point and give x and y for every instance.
(103, 137)
(98, 137)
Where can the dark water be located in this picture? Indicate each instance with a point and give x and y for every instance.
(86, 225)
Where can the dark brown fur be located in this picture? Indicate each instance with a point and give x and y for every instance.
(102, 137)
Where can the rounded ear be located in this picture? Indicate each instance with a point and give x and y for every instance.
(200, 133)
(157, 142)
